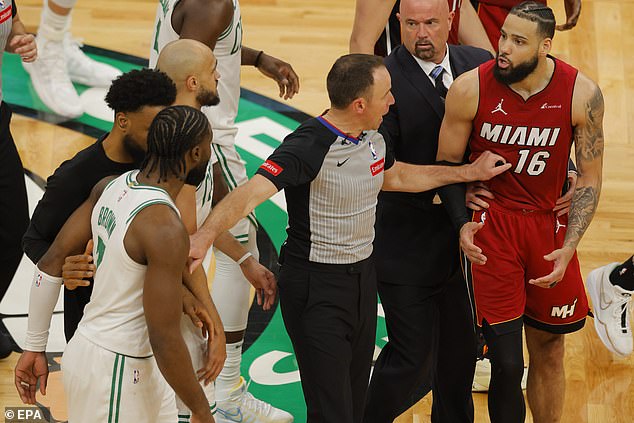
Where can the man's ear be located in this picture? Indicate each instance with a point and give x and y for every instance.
(122, 122)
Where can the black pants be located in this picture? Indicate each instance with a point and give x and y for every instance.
(14, 209)
(330, 315)
(431, 346)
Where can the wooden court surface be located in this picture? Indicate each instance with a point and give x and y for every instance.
(311, 35)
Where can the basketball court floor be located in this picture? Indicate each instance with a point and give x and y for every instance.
(311, 35)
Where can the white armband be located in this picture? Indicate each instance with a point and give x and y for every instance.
(243, 258)
(44, 294)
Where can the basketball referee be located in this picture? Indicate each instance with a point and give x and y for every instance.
(332, 169)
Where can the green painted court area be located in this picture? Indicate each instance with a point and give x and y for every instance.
(269, 363)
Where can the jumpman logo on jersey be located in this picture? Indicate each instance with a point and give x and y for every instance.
(483, 217)
(499, 107)
(558, 226)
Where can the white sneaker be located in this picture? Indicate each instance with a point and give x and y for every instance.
(50, 79)
(611, 305)
(84, 70)
(242, 406)
(482, 376)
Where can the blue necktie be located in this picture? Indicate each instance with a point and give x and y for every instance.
(436, 75)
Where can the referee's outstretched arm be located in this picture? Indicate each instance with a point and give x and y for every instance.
(405, 177)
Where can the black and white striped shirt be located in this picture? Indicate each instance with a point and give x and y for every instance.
(331, 182)
(7, 12)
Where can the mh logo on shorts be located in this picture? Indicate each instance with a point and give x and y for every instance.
(272, 167)
(38, 280)
(377, 167)
(564, 311)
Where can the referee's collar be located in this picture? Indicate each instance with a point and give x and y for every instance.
(339, 132)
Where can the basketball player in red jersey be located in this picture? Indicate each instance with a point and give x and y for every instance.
(492, 14)
(523, 264)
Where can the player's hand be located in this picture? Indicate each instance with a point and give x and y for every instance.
(77, 269)
(573, 10)
(472, 251)
(560, 259)
(488, 165)
(262, 280)
(197, 313)
(282, 73)
(31, 368)
(476, 193)
(562, 205)
(24, 45)
(215, 357)
(198, 247)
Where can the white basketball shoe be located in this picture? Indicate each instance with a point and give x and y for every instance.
(611, 307)
(242, 406)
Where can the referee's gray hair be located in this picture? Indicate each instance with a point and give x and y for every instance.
(351, 77)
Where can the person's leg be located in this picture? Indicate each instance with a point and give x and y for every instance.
(320, 312)
(404, 365)
(506, 401)
(545, 370)
(60, 61)
(13, 204)
(455, 355)
(364, 341)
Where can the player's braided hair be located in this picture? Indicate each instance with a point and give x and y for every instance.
(539, 13)
(174, 132)
(138, 88)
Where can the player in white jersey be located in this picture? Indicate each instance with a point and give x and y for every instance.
(217, 23)
(140, 253)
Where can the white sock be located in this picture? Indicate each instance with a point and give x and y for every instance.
(52, 25)
(229, 377)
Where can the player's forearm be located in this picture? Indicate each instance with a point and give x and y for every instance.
(584, 205)
(471, 32)
(175, 364)
(248, 56)
(230, 246)
(43, 297)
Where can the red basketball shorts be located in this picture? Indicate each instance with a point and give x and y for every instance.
(515, 243)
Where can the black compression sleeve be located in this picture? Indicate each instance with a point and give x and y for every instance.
(453, 198)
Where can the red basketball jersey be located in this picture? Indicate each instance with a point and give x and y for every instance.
(535, 136)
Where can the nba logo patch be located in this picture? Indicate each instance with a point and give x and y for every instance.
(372, 150)
(38, 280)
(136, 375)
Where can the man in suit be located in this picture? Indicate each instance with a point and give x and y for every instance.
(422, 290)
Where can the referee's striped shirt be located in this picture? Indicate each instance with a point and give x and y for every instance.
(331, 182)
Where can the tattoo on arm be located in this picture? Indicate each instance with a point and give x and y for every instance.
(589, 152)
(589, 137)
(584, 203)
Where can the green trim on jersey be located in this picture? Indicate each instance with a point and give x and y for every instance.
(146, 204)
(134, 184)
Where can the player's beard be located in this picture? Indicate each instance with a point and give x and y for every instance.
(514, 73)
(207, 97)
(197, 174)
(133, 149)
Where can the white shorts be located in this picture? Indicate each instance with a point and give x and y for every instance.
(103, 386)
(197, 346)
(235, 174)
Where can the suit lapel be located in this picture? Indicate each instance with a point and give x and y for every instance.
(458, 66)
(416, 76)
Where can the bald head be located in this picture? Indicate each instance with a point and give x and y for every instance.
(192, 66)
(425, 26)
(183, 58)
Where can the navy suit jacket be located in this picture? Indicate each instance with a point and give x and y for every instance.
(415, 242)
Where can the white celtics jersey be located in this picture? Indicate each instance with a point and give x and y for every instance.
(228, 53)
(114, 318)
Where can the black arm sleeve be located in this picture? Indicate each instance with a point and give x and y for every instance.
(453, 198)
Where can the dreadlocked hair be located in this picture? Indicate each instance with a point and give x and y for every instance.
(139, 88)
(539, 13)
(173, 132)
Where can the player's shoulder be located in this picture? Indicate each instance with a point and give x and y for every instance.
(466, 84)
(586, 91)
(160, 223)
